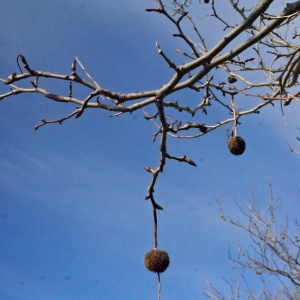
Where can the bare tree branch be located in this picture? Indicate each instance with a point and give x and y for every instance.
(260, 59)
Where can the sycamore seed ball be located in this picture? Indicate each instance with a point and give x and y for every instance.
(156, 260)
(203, 128)
(232, 79)
(236, 145)
(206, 1)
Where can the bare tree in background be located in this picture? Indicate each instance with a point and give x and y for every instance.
(275, 252)
(261, 46)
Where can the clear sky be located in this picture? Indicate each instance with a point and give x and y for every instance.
(73, 220)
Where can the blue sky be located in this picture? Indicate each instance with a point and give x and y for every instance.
(73, 222)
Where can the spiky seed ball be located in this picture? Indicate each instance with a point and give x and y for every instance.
(206, 1)
(203, 128)
(236, 145)
(232, 79)
(156, 260)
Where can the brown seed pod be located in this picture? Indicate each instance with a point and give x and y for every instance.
(203, 128)
(232, 79)
(236, 145)
(206, 1)
(156, 260)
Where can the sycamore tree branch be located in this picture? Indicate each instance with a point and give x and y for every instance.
(203, 74)
(209, 63)
(275, 251)
(259, 9)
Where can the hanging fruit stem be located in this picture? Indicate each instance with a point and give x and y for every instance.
(155, 221)
(234, 116)
(158, 286)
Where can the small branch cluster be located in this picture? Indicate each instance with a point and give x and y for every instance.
(275, 251)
